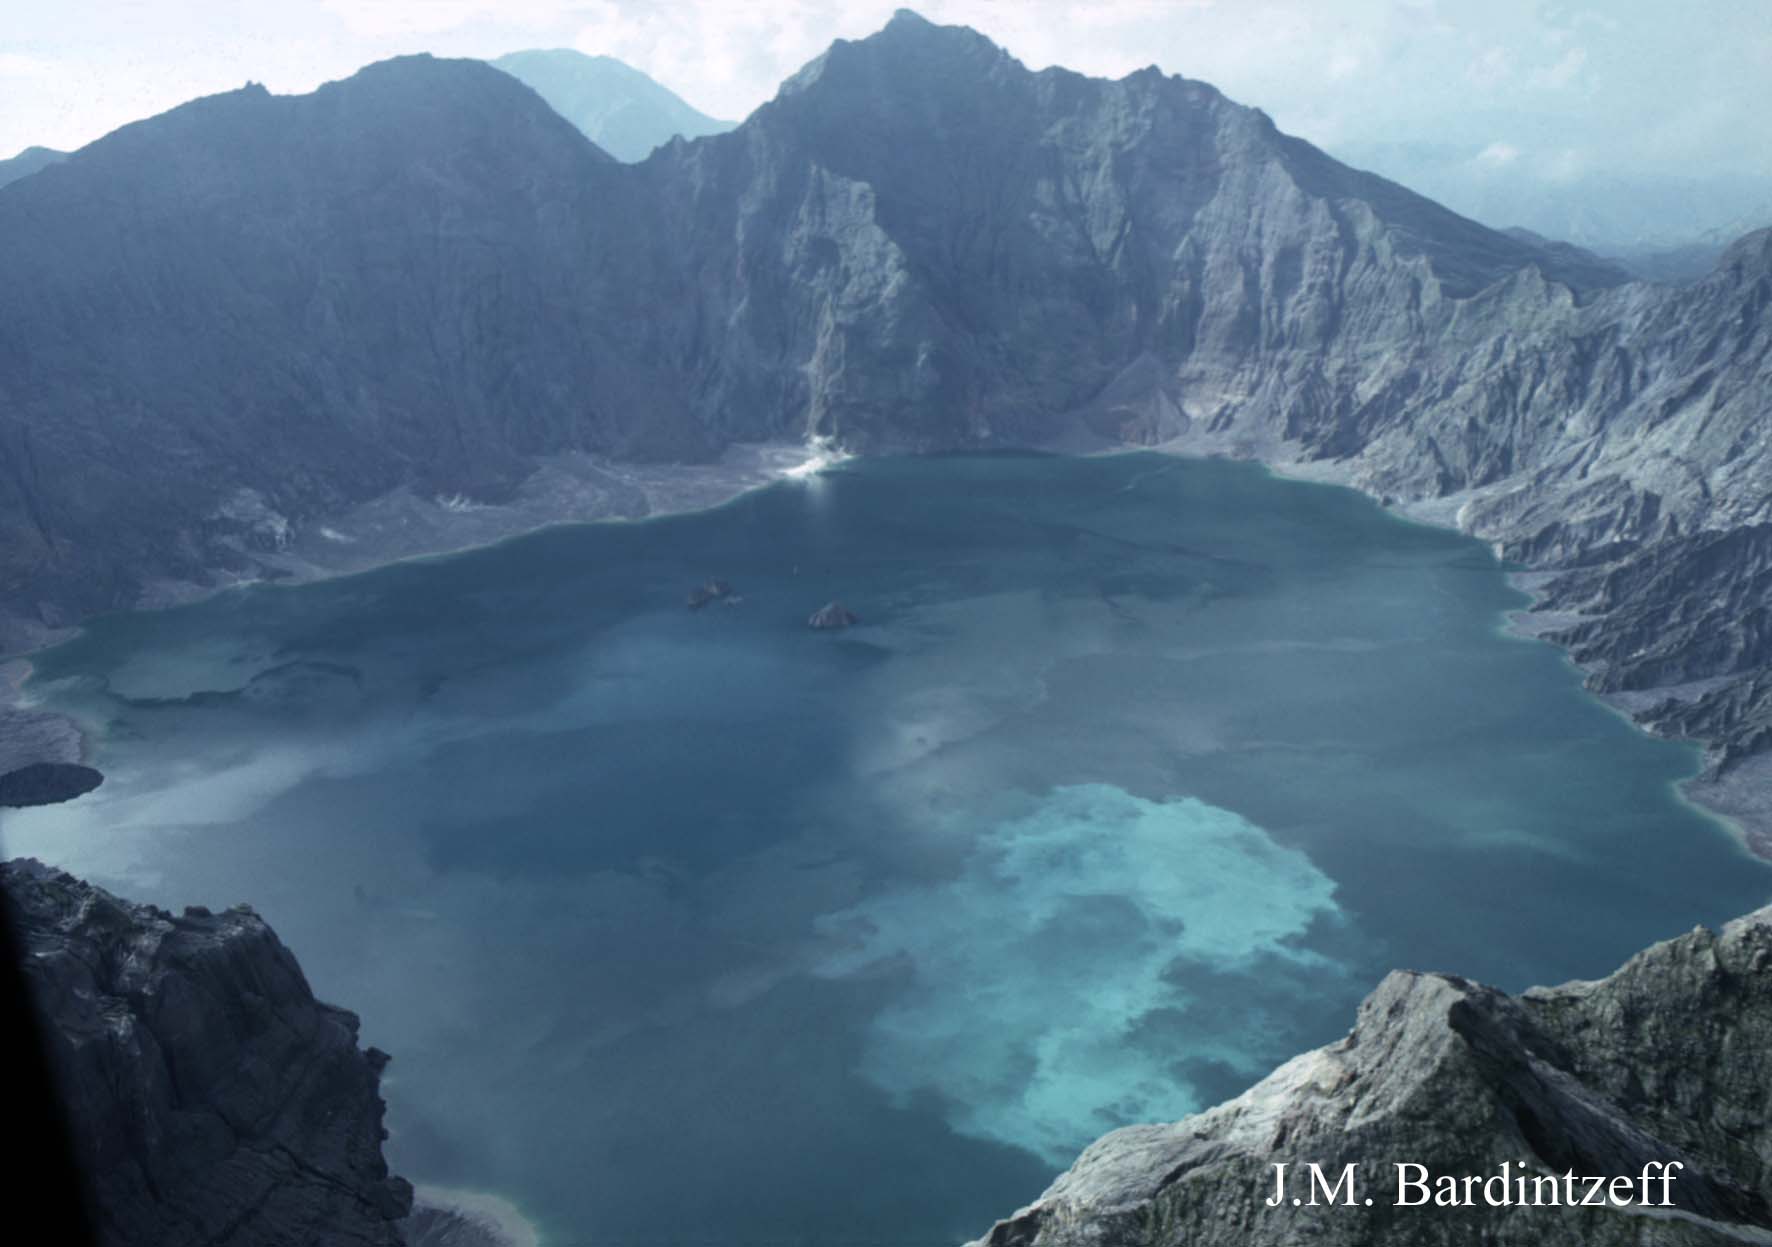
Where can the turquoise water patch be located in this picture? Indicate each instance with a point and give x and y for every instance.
(1046, 999)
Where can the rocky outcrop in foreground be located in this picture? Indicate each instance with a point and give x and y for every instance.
(1668, 1060)
(211, 1099)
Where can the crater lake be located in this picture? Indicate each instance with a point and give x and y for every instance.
(1135, 776)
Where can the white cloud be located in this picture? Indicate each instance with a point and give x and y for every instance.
(380, 18)
(18, 65)
(1497, 155)
(1490, 69)
(1566, 165)
(1597, 20)
(1343, 65)
(1564, 72)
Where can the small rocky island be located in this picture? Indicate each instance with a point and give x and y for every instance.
(710, 591)
(46, 783)
(831, 616)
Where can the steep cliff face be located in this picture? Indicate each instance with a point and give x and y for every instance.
(1625, 445)
(225, 324)
(945, 248)
(212, 1099)
(1667, 1060)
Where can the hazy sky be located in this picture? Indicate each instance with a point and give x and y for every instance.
(1519, 91)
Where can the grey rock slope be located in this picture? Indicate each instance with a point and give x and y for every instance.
(28, 162)
(614, 105)
(1669, 1059)
(213, 1100)
(239, 318)
(946, 249)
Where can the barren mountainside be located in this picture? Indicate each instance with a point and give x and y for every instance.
(232, 321)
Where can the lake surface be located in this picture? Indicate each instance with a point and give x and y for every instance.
(695, 927)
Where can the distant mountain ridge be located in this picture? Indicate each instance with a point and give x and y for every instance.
(1689, 261)
(28, 162)
(614, 105)
(235, 320)
(1612, 211)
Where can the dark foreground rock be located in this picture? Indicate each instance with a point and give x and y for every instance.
(1668, 1060)
(832, 616)
(212, 1100)
(47, 783)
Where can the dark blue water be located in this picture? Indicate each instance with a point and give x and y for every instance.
(701, 926)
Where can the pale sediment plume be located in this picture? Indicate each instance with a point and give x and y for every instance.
(1066, 928)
